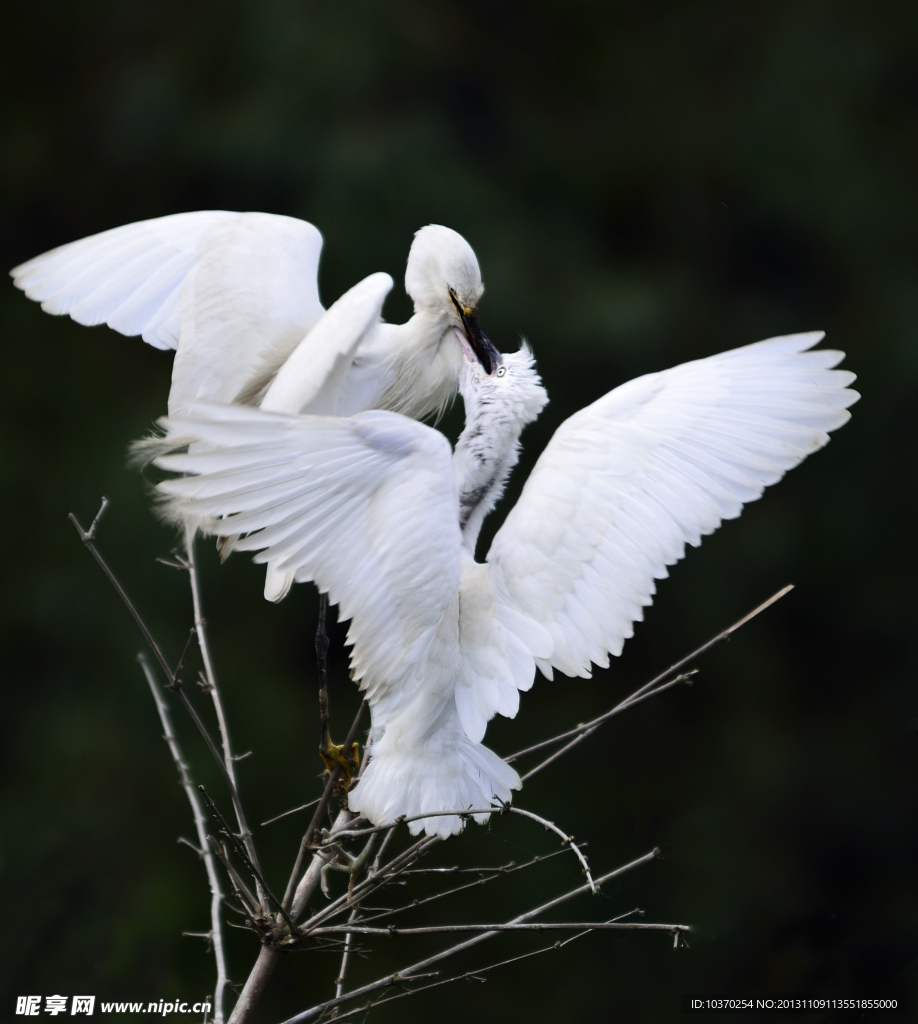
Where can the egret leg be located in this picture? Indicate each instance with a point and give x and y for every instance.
(331, 753)
(322, 664)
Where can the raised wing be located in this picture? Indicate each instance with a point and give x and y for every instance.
(657, 463)
(312, 375)
(365, 506)
(130, 277)
(233, 292)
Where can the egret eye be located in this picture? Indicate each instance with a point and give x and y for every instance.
(501, 370)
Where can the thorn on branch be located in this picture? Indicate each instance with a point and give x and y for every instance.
(182, 565)
(176, 683)
(208, 937)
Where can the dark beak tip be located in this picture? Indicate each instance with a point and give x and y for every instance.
(484, 350)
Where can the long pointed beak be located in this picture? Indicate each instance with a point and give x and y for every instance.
(481, 345)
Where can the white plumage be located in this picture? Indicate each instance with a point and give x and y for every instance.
(233, 293)
(236, 295)
(376, 510)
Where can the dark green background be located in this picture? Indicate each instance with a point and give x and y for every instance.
(644, 183)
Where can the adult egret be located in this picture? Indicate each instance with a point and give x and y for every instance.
(236, 295)
(384, 518)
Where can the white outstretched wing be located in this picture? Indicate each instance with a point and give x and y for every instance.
(365, 506)
(130, 277)
(625, 483)
(233, 292)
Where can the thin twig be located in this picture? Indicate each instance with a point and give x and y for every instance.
(302, 807)
(373, 882)
(409, 972)
(382, 849)
(244, 896)
(88, 538)
(345, 956)
(475, 974)
(175, 684)
(228, 759)
(243, 856)
(203, 851)
(467, 813)
(636, 698)
(581, 731)
(566, 839)
(492, 874)
(361, 929)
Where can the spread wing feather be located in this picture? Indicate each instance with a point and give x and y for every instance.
(365, 506)
(233, 292)
(129, 277)
(655, 464)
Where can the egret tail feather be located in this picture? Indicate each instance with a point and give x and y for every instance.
(433, 776)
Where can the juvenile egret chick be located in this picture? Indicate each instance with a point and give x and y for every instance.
(376, 510)
(236, 295)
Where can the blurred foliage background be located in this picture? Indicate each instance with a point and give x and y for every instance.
(644, 183)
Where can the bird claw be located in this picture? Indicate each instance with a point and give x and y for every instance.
(333, 755)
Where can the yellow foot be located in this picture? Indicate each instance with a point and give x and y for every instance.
(333, 755)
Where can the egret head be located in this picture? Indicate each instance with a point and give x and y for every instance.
(443, 278)
(512, 391)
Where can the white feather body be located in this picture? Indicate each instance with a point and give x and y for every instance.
(369, 508)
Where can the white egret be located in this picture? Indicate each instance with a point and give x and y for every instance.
(236, 295)
(384, 518)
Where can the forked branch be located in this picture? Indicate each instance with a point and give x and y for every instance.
(175, 684)
(414, 970)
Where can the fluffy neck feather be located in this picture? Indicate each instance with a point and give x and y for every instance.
(487, 450)
(423, 369)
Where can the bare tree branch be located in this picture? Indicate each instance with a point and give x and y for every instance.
(175, 684)
(241, 852)
(374, 881)
(409, 972)
(326, 928)
(293, 810)
(228, 759)
(566, 839)
(475, 974)
(203, 851)
(468, 813)
(651, 689)
(345, 956)
(361, 929)
(492, 874)
(268, 954)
